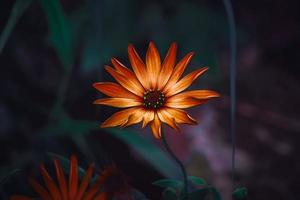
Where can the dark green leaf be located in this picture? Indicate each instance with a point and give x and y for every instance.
(240, 193)
(199, 194)
(216, 194)
(60, 36)
(197, 180)
(169, 183)
(6, 177)
(170, 194)
(150, 152)
(18, 9)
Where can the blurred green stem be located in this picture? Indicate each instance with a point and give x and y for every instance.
(185, 187)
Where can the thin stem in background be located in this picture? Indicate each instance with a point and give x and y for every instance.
(232, 82)
(185, 189)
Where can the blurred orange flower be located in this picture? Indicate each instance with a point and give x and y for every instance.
(152, 92)
(64, 190)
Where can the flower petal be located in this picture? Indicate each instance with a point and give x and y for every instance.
(114, 90)
(185, 82)
(195, 94)
(178, 70)
(42, 192)
(167, 118)
(102, 196)
(125, 71)
(156, 127)
(118, 118)
(85, 181)
(52, 188)
(20, 197)
(167, 66)
(73, 177)
(180, 116)
(148, 117)
(153, 64)
(130, 85)
(185, 103)
(138, 67)
(136, 117)
(118, 102)
(61, 179)
(93, 190)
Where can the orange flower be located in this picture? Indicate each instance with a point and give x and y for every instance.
(152, 92)
(62, 190)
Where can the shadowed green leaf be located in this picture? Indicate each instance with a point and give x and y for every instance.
(170, 194)
(150, 152)
(199, 194)
(216, 194)
(240, 193)
(6, 177)
(60, 36)
(197, 180)
(18, 9)
(171, 183)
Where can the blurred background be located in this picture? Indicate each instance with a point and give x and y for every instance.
(57, 50)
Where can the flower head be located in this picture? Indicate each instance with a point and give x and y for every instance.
(153, 91)
(64, 190)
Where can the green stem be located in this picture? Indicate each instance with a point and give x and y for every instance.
(185, 187)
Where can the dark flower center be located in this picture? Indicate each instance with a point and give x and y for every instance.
(154, 99)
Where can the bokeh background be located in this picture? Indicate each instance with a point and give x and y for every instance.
(57, 50)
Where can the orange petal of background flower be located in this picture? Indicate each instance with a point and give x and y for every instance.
(52, 188)
(167, 118)
(148, 117)
(167, 66)
(153, 64)
(90, 194)
(178, 70)
(118, 118)
(20, 197)
(118, 102)
(42, 192)
(114, 90)
(156, 127)
(102, 196)
(138, 67)
(180, 116)
(185, 82)
(132, 86)
(85, 181)
(61, 180)
(73, 177)
(136, 117)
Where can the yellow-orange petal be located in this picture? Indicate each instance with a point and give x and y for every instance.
(93, 190)
(118, 102)
(156, 127)
(61, 179)
(178, 70)
(52, 188)
(114, 90)
(167, 118)
(153, 64)
(185, 82)
(194, 94)
(42, 192)
(20, 197)
(180, 116)
(73, 177)
(138, 67)
(118, 118)
(122, 69)
(185, 103)
(136, 117)
(148, 117)
(135, 88)
(167, 66)
(85, 181)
